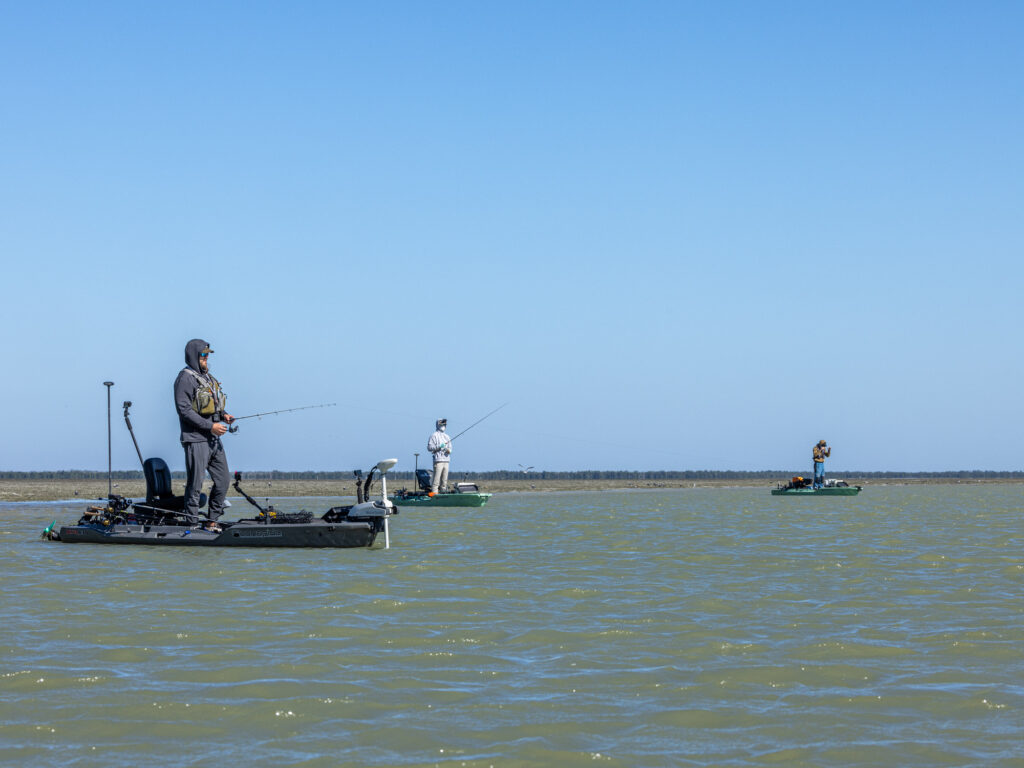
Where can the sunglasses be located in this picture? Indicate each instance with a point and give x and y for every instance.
(204, 354)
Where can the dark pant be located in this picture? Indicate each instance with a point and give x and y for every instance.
(200, 458)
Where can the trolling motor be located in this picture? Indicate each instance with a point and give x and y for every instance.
(383, 507)
(363, 486)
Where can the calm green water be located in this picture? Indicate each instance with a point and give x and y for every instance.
(649, 628)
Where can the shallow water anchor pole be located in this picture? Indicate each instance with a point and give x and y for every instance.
(110, 489)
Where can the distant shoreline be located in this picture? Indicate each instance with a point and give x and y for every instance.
(92, 489)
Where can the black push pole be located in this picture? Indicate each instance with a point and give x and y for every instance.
(110, 488)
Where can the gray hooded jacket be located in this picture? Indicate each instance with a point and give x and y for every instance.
(440, 445)
(194, 428)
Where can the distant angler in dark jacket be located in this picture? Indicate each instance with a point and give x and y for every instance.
(200, 402)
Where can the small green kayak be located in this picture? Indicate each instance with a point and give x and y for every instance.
(802, 486)
(848, 490)
(450, 499)
(458, 495)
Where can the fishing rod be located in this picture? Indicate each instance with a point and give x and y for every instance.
(478, 421)
(271, 413)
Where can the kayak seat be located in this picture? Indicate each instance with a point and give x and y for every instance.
(158, 480)
(423, 479)
(158, 487)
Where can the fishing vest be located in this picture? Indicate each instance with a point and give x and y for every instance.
(209, 397)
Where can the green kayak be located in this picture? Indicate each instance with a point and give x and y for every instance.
(458, 495)
(801, 486)
(850, 490)
(450, 499)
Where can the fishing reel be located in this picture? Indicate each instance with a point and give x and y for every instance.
(232, 427)
(118, 503)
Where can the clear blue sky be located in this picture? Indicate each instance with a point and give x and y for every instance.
(671, 235)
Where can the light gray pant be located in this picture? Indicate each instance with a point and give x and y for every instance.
(200, 458)
(440, 478)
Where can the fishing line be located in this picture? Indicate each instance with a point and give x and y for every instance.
(599, 443)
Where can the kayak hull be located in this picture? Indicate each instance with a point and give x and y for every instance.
(440, 500)
(316, 533)
(851, 490)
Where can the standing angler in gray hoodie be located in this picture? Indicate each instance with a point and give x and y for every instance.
(440, 445)
(200, 403)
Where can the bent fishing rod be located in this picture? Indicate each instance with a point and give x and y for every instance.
(234, 428)
(478, 421)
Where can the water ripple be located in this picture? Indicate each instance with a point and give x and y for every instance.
(652, 628)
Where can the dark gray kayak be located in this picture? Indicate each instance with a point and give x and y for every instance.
(161, 522)
(358, 531)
